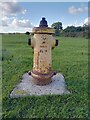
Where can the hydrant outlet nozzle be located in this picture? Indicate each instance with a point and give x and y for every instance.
(29, 41)
(56, 44)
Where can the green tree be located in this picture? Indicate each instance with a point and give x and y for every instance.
(57, 26)
(27, 33)
(70, 29)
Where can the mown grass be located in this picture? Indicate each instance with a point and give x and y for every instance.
(70, 58)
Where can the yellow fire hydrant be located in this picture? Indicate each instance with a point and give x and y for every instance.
(42, 42)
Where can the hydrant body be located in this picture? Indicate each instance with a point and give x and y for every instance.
(42, 43)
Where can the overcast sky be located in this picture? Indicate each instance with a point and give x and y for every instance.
(23, 16)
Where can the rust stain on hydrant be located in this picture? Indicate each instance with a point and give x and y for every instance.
(42, 41)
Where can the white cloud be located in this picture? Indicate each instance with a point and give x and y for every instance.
(75, 23)
(15, 25)
(14, 29)
(87, 21)
(5, 21)
(28, 29)
(1, 30)
(22, 23)
(11, 8)
(65, 25)
(74, 10)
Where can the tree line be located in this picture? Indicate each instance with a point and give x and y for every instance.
(70, 31)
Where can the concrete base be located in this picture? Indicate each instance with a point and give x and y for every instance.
(27, 88)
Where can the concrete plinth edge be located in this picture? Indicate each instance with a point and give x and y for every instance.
(27, 88)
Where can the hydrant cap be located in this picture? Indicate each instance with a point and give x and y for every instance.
(43, 23)
(43, 28)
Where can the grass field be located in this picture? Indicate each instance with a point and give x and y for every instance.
(70, 58)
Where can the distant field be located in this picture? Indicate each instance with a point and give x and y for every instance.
(70, 58)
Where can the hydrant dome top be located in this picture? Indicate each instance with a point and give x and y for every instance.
(43, 28)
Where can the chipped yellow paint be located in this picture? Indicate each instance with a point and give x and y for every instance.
(42, 42)
(43, 30)
(42, 52)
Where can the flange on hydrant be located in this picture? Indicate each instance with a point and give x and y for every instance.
(42, 42)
